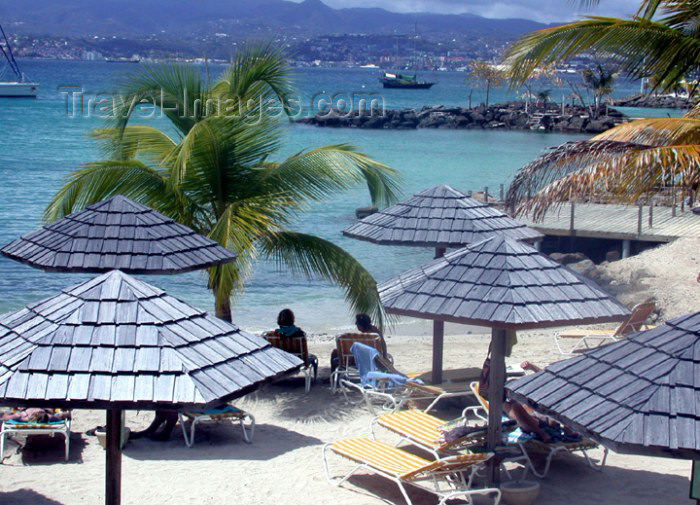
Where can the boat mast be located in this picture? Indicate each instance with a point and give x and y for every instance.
(9, 56)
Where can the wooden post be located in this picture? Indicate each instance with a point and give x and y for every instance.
(438, 343)
(503, 194)
(640, 215)
(113, 476)
(486, 194)
(438, 336)
(497, 380)
(651, 215)
(572, 220)
(625, 249)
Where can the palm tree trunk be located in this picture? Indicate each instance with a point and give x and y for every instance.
(223, 307)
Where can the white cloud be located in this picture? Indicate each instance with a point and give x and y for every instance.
(539, 10)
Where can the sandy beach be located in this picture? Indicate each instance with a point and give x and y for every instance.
(283, 465)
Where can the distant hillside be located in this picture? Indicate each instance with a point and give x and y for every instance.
(245, 18)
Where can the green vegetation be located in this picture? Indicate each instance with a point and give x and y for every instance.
(217, 174)
(633, 160)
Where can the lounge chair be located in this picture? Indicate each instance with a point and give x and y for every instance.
(296, 345)
(346, 361)
(27, 429)
(371, 383)
(417, 390)
(529, 445)
(443, 477)
(228, 413)
(424, 431)
(635, 322)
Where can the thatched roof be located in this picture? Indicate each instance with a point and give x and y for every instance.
(438, 217)
(116, 342)
(639, 396)
(117, 234)
(499, 283)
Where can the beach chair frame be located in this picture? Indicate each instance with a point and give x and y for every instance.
(445, 478)
(410, 436)
(245, 419)
(298, 346)
(346, 365)
(61, 428)
(418, 391)
(550, 450)
(583, 338)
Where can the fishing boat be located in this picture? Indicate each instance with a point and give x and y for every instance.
(21, 88)
(400, 81)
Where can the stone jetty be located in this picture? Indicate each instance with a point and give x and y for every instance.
(511, 116)
(657, 102)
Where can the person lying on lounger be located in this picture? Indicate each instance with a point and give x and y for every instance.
(161, 427)
(36, 415)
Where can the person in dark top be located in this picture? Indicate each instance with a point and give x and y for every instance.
(285, 321)
(364, 325)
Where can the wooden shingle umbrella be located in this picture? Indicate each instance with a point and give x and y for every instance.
(117, 234)
(636, 396)
(442, 218)
(505, 285)
(117, 343)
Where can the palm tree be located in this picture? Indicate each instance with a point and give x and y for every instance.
(600, 81)
(632, 160)
(217, 174)
(544, 95)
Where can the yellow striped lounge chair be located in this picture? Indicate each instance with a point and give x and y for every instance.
(423, 430)
(446, 477)
(27, 429)
(228, 413)
(549, 450)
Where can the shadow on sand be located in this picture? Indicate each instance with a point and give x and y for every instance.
(569, 481)
(26, 497)
(221, 441)
(43, 450)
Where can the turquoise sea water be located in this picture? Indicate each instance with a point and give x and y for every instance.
(40, 145)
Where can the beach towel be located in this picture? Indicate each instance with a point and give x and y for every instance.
(365, 361)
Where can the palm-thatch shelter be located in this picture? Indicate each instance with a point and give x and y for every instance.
(441, 218)
(505, 285)
(637, 396)
(117, 343)
(117, 234)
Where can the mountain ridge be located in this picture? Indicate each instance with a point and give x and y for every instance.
(245, 18)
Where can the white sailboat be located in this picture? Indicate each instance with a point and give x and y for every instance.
(21, 87)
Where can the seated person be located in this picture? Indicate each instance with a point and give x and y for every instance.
(36, 415)
(363, 323)
(285, 321)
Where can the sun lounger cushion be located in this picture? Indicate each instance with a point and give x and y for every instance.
(24, 425)
(222, 413)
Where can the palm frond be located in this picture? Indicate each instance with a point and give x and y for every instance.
(176, 90)
(104, 179)
(642, 47)
(318, 258)
(259, 72)
(624, 174)
(556, 164)
(666, 131)
(134, 141)
(316, 174)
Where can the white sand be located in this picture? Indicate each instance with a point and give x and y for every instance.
(283, 465)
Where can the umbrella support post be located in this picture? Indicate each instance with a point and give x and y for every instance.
(497, 376)
(113, 484)
(438, 341)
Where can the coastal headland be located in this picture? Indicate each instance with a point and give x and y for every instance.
(507, 116)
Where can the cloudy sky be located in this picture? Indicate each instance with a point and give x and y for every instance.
(539, 10)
